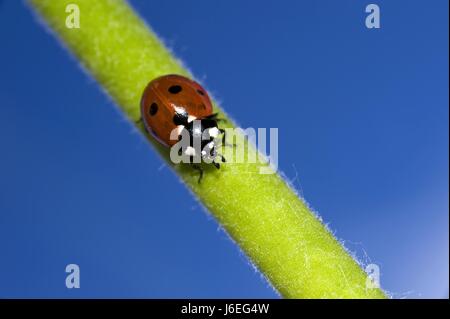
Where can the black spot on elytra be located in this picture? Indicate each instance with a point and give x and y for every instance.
(200, 92)
(175, 89)
(153, 109)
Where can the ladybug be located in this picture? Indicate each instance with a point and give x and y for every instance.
(177, 102)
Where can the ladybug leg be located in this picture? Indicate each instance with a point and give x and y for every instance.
(223, 132)
(198, 168)
(214, 117)
(222, 158)
(138, 122)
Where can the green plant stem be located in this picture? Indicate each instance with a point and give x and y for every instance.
(263, 215)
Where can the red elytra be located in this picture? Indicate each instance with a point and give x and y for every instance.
(164, 96)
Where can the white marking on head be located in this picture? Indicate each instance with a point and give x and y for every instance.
(213, 132)
(179, 109)
(190, 151)
(191, 118)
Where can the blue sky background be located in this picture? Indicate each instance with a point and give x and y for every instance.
(363, 128)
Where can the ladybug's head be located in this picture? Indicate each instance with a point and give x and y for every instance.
(181, 117)
(204, 133)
